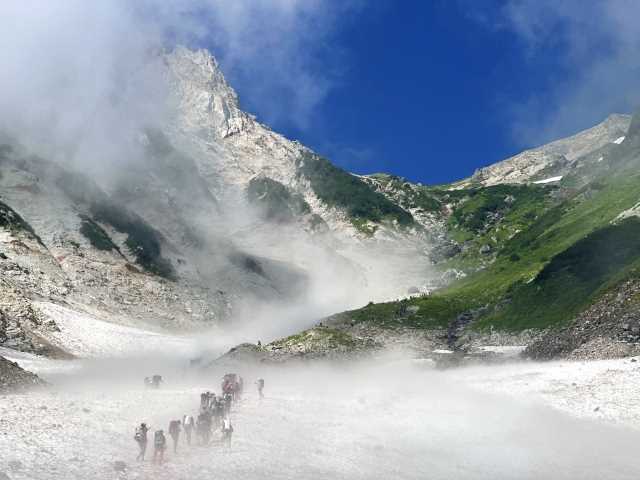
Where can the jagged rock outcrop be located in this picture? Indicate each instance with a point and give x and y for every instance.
(14, 379)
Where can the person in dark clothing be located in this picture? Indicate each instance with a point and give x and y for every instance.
(141, 438)
(228, 399)
(188, 423)
(240, 387)
(260, 384)
(174, 431)
(203, 427)
(159, 446)
(211, 402)
(218, 412)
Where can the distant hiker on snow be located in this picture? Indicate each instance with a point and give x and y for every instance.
(260, 384)
(227, 432)
(156, 380)
(203, 427)
(212, 401)
(204, 401)
(228, 398)
(141, 438)
(174, 431)
(159, 446)
(188, 424)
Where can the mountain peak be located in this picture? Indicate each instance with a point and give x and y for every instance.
(207, 103)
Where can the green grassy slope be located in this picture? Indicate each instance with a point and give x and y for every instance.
(143, 241)
(340, 189)
(554, 249)
(276, 201)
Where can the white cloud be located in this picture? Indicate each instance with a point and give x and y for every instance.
(77, 74)
(598, 44)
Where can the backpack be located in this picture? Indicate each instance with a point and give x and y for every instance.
(159, 439)
(138, 436)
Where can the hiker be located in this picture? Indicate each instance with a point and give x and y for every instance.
(141, 438)
(211, 401)
(207, 427)
(204, 400)
(229, 382)
(228, 398)
(240, 387)
(174, 431)
(203, 428)
(227, 432)
(159, 445)
(188, 424)
(156, 380)
(218, 412)
(260, 384)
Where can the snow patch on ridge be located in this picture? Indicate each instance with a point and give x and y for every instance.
(549, 180)
(630, 212)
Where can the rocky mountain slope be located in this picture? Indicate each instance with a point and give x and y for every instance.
(550, 265)
(554, 159)
(13, 378)
(212, 215)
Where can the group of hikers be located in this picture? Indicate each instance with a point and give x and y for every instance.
(214, 414)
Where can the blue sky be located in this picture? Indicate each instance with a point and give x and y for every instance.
(431, 90)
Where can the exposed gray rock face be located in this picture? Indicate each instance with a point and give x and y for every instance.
(170, 241)
(554, 158)
(610, 328)
(15, 379)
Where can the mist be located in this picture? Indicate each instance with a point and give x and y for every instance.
(78, 75)
(84, 83)
(394, 419)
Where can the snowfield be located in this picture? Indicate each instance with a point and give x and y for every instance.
(396, 419)
(392, 420)
(85, 336)
(603, 390)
